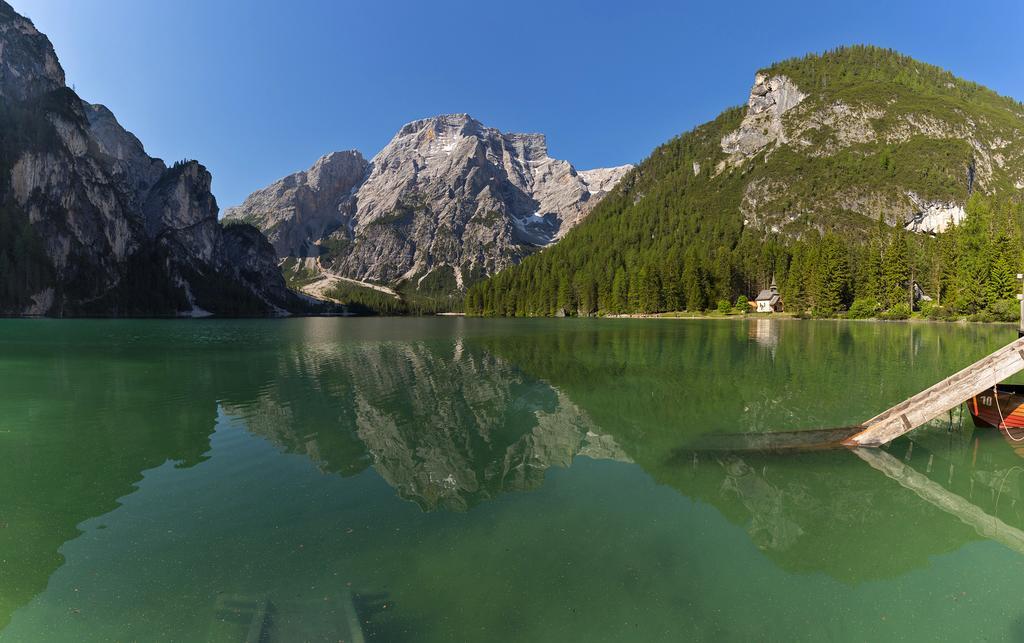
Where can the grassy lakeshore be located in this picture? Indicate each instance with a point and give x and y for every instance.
(916, 317)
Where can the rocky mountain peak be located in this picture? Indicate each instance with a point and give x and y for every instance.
(435, 140)
(28, 63)
(443, 123)
(447, 198)
(332, 173)
(306, 206)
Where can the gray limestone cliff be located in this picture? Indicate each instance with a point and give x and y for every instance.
(447, 199)
(302, 208)
(92, 225)
(770, 98)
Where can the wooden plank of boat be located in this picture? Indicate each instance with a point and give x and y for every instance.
(936, 400)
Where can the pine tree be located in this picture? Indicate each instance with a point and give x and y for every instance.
(972, 258)
(650, 290)
(833, 276)
(895, 270)
(875, 287)
(672, 284)
(1002, 280)
(586, 293)
(620, 292)
(565, 298)
(721, 273)
(692, 287)
(946, 267)
(794, 290)
(812, 272)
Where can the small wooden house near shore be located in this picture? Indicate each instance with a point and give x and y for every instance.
(768, 300)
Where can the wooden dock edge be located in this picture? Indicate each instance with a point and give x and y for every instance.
(939, 398)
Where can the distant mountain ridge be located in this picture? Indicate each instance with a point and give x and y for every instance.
(92, 225)
(445, 203)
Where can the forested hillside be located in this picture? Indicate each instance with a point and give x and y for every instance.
(846, 177)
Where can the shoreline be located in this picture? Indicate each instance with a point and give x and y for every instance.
(781, 317)
(789, 317)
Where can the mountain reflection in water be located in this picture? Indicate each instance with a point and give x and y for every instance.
(446, 425)
(452, 415)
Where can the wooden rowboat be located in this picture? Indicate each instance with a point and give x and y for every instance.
(1002, 407)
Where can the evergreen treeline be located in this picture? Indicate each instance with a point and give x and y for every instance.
(367, 301)
(970, 270)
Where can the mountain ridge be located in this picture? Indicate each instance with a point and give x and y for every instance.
(447, 201)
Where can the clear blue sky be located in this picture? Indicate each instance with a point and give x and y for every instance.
(258, 89)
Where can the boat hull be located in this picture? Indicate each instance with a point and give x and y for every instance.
(1001, 407)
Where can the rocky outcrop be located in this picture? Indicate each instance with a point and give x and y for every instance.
(770, 98)
(933, 217)
(181, 208)
(446, 196)
(98, 227)
(302, 208)
(127, 159)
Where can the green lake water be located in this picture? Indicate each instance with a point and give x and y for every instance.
(507, 480)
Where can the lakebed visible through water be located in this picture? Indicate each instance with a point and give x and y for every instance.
(461, 479)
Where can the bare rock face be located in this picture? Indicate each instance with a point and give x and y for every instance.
(181, 207)
(304, 207)
(95, 225)
(446, 197)
(602, 180)
(770, 98)
(130, 166)
(932, 217)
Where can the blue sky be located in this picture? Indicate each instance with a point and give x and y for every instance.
(258, 89)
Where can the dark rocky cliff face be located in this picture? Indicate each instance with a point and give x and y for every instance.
(92, 225)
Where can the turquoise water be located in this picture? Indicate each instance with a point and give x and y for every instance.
(452, 479)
